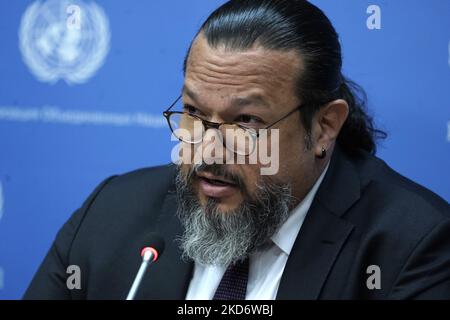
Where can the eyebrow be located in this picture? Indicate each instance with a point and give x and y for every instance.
(254, 98)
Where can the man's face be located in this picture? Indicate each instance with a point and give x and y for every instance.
(254, 87)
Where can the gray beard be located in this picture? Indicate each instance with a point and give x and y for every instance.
(212, 237)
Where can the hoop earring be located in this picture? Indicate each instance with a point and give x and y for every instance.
(323, 154)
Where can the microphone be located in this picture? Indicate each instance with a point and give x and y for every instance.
(152, 250)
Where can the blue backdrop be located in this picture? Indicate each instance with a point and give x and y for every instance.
(83, 85)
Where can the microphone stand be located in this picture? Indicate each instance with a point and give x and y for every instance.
(148, 257)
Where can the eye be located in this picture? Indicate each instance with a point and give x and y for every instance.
(191, 109)
(248, 119)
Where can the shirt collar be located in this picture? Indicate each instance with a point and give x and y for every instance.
(285, 237)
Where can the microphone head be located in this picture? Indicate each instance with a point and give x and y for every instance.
(155, 243)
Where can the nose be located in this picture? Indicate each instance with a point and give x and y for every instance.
(213, 147)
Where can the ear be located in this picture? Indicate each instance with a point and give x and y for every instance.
(329, 121)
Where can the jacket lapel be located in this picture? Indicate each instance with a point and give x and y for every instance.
(323, 232)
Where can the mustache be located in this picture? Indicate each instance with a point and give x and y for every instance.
(219, 170)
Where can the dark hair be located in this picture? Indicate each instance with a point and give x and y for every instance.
(298, 25)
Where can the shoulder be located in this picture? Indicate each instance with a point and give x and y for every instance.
(389, 190)
(121, 207)
(137, 192)
(121, 204)
(141, 181)
(393, 211)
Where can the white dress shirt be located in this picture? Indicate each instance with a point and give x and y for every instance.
(266, 267)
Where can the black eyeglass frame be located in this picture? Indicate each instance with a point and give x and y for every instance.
(216, 125)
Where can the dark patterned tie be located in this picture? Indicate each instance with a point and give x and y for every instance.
(233, 285)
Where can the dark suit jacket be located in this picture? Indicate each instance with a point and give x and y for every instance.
(364, 214)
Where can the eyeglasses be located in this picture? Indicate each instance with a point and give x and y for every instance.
(191, 128)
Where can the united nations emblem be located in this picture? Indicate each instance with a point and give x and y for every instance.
(62, 39)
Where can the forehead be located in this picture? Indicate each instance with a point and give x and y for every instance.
(271, 73)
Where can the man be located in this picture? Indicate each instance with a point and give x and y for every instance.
(332, 222)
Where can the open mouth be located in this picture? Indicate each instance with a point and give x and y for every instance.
(212, 178)
(215, 187)
(217, 181)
